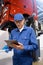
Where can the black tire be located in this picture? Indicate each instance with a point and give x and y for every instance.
(10, 25)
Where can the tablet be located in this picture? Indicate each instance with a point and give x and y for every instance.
(12, 42)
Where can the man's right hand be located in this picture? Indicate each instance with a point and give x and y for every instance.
(20, 46)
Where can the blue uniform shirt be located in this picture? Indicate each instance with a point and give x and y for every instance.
(28, 39)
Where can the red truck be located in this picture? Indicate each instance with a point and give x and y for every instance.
(11, 7)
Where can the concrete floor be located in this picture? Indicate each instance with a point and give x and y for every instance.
(7, 61)
(6, 58)
(40, 61)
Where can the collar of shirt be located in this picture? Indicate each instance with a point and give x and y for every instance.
(21, 29)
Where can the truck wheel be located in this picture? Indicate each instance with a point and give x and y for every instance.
(10, 25)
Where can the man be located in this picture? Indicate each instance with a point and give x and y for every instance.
(27, 40)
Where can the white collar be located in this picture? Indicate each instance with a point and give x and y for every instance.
(21, 29)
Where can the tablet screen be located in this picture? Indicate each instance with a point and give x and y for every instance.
(12, 42)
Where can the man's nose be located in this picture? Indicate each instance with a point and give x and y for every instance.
(18, 23)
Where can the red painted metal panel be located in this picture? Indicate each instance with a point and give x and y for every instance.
(20, 6)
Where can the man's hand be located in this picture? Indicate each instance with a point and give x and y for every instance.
(20, 46)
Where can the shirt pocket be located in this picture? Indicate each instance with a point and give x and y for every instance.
(25, 40)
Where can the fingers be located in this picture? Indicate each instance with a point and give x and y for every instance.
(20, 43)
(20, 47)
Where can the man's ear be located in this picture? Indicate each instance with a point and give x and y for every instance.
(24, 20)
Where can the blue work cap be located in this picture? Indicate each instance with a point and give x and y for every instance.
(18, 17)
